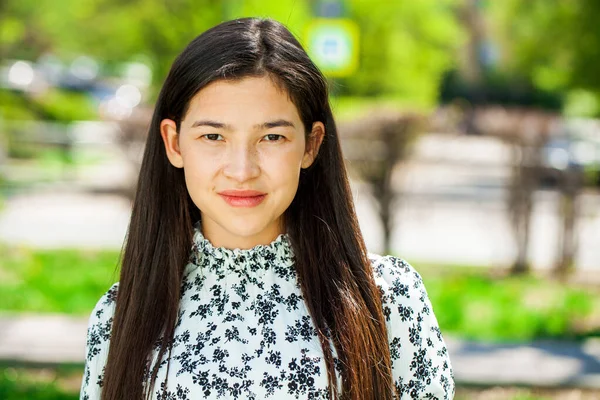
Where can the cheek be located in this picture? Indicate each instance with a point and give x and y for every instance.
(199, 168)
(283, 169)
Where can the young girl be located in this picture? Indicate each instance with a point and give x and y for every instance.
(245, 275)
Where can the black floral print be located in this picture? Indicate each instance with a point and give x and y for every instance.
(244, 331)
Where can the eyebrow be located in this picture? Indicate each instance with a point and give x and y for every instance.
(265, 125)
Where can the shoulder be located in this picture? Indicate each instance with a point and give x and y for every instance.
(105, 305)
(388, 267)
(97, 343)
(404, 299)
(100, 321)
(420, 361)
(398, 281)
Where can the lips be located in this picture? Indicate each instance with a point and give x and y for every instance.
(241, 193)
(243, 198)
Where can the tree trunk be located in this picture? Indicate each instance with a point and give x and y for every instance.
(571, 186)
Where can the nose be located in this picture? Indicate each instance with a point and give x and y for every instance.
(241, 163)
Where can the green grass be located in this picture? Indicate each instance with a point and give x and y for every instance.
(38, 384)
(54, 281)
(64, 383)
(523, 393)
(472, 303)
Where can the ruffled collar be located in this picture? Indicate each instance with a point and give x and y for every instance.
(277, 256)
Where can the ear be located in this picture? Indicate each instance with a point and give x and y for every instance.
(315, 138)
(170, 137)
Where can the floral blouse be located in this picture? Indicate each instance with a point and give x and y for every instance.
(244, 331)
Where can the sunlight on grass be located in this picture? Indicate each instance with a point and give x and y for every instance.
(469, 303)
(62, 281)
(38, 384)
(473, 304)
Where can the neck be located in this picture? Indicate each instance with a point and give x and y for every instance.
(220, 237)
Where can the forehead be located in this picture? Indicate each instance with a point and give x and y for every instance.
(255, 98)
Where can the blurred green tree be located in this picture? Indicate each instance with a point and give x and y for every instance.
(553, 42)
(110, 30)
(406, 46)
(115, 30)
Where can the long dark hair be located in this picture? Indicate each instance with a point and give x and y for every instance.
(333, 269)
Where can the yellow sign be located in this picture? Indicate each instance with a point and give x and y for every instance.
(333, 45)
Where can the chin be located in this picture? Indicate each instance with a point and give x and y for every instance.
(244, 231)
(245, 227)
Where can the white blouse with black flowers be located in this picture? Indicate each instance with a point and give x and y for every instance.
(244, 332)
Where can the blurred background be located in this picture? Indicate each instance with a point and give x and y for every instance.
(471, 133)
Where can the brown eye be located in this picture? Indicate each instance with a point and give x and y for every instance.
(273, 137)
(213, 137)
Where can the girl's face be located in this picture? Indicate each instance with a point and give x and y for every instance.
(241, 146)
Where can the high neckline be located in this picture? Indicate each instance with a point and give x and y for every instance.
(254, 261)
